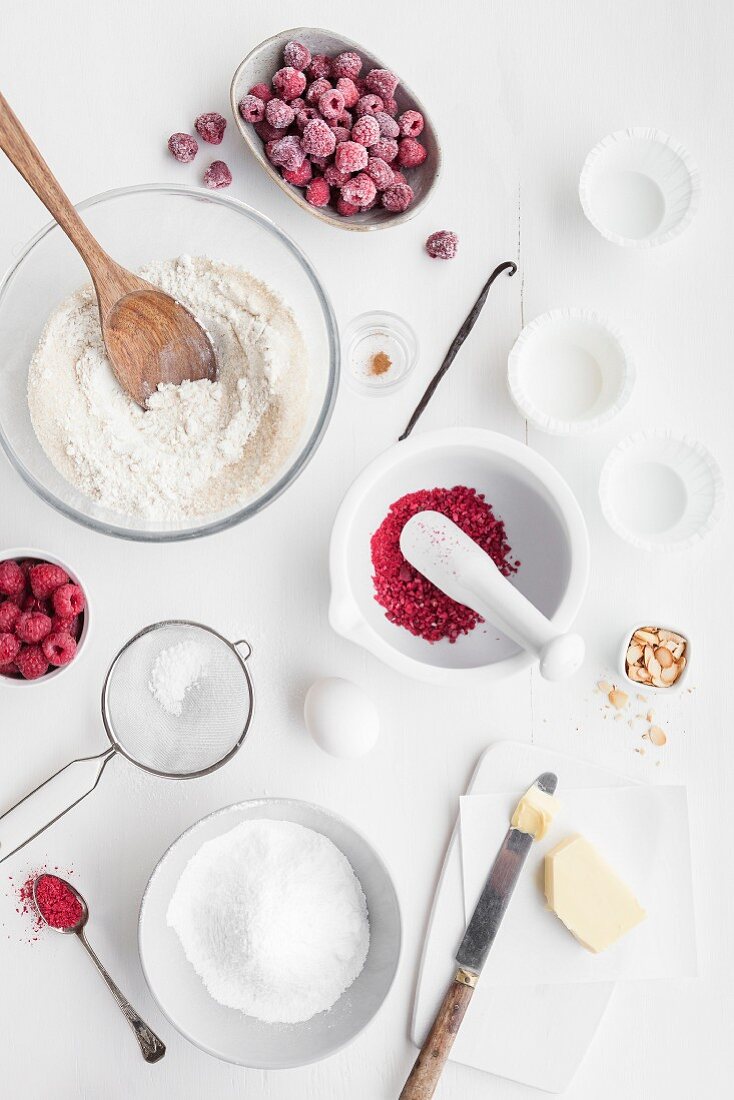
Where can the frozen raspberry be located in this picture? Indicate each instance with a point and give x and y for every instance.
(348, 89)
(298, 104)
(361, 85)
(442, 245)
(360, 190)
(318, 192)
(347, 64)
(304, 116)
(300, 176)
(289, 82)
(319, 67)
(390, 107)
(350, 157)
(388, 126)
(398, 177)
(183, 147)
(366, 130)
(380, 173)
(32, 662)
(316, 90)
(269, 149)
(345, 119)
(12, 578)
(32, 627)
(10, 611)
(397, 198)
(296, 55)
(386, 149)
(251, 108)
(217, 175)
(341, 133)
(210, 127)
(261, 91)
(411, 153)
(279, 114)
(318, 139)
(411, 123)
(68, 601)
(266, 132)
(45, 578)
(288, 153)
(369, 104)
(370, 204)
(346, 209)
(58, 649)
(382, 82)
(9, 648)
(319, 163)
(331, 104)
(334, 178)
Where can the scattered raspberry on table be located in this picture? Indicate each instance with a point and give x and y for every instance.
(442, 245)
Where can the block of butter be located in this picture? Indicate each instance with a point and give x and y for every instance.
(588, 896)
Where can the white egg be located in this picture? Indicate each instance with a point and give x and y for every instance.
(341, 717)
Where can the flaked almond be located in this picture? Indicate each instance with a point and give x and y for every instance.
(646, 637)
(657, 736)
(669, 675)
(644, 676)
(633, 654)
(664, 657)
(618, 698)
(679, 650)
(604, 687)
(654, 669)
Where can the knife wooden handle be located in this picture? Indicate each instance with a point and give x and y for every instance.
(424, 1076)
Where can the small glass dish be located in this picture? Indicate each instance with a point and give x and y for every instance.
(380, 350)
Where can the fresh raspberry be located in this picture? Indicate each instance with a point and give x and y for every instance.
(58, 649)
(397, 198)
(12, 578)
(316, 90)
(300, 176)
(304, 116)
(289, 82)
(442, 245)
(411, 123)
(288, 153)
(382, 82)
(69, 601)
(210, 127)
(319, 67)
(366, 131)
(360, 190)
(32, 603)
(9, 648)
(348, 89)
(346, 209)
(318, 192)
(266, 132)
(331, 103)
(217, 175)
(32, 627)
(350, 157)
(32, 662)
(261, 91)
(46, 578)
(279, 114)
(341, 133)
(386, 149)
(388, 126)
(380, 173)
(296, 55)
(318, 139)
(334, 178)
(411, 153)
(252, 108)
(390, 107)
(347, 64)
(183, 147)
(369, 104)
(10, 611)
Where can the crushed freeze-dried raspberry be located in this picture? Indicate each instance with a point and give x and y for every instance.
(288, 153)
(9, 648)
(334, 178)
(319, 67)
(318, 139)
(9, 610)
(442, 245)
(289, 82)
(217, 175)
(183, 147)
(348, 89)
(331, 104)
(350, 157)
(45, 578)
(366, 131)
(409, 599)
(299, 177)
(347, 64)
(388, 126)
(386, 149)
(317, 89)
(68, 601)
(382, 82)
(261, 91)
(279, 114)
(346, 209)
(32, 662)
(58, 649)
(397, 198)
(296, 55)
(411, 123)
(318, 192)
(251, 108)
(32, 627)
(210, 127)
(411, 153)
(369, 104)
(360, 190)
(380, 173)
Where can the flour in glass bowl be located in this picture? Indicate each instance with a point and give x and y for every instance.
(198, 448)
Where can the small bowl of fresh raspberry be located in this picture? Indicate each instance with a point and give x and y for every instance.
(44, 616)
(338, 131)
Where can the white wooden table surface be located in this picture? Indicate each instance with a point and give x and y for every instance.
(519, 92)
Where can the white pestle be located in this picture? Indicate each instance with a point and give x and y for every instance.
(451, 560)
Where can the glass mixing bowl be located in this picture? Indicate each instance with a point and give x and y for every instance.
(137, 225)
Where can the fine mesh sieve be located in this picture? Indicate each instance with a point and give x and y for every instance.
(215, 715)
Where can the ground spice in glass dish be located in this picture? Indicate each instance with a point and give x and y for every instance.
(380, 363)
(57, 903)
(409, 599)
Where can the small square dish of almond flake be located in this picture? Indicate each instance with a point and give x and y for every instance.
(655, 657)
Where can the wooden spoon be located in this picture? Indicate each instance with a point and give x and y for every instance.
(149, 337)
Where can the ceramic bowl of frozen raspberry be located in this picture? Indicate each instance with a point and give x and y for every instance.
(382, 163)
(44, 616)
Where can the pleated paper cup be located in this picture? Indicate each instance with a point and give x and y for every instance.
(639, 188)
(660, 491)
(569, 372)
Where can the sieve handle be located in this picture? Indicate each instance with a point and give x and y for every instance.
(44, 805)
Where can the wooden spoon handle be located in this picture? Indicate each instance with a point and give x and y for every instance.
(424, 1076)
(19, 148)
